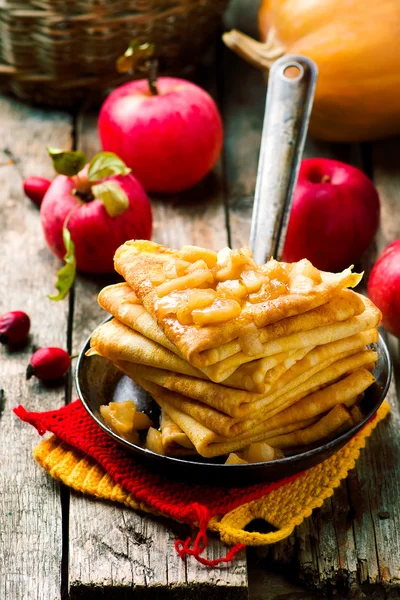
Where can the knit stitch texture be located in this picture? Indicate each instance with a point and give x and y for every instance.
(84, 457)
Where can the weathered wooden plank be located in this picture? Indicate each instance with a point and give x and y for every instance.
(114, 549)
(379, 465)
(30, 508)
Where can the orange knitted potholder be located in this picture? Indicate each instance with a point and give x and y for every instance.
(84, 457)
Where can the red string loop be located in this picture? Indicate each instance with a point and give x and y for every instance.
(200, 543)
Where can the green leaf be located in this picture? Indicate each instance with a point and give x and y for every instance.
(135, 56)
(66, 274)
(67, 162)
(106, 164)
(113, 197)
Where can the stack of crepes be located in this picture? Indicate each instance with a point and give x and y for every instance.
(236, 353)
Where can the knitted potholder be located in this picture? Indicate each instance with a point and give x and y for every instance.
(84, 457)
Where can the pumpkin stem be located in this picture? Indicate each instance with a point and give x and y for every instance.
(259, 54)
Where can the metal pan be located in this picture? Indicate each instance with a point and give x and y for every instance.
(99, 382)
(290, 94)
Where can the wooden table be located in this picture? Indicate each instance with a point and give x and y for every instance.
(53, 542)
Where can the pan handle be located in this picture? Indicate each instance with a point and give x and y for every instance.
(291, 88)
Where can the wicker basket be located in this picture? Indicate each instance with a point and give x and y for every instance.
(60, 51)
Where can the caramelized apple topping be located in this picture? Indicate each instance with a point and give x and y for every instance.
(157, 277)
(196, 299)
(125, 420)
(192, 280)
(232, 267)
(203, 287)
(199, 264)
(154, 441)
(168, 305)
(253, 280)
(222, 309)
(232, 289)
(194, 253)
(261, 452)
(269, 291)
(275, 270)
(234, 459)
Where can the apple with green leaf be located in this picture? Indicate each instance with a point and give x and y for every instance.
(89, 210)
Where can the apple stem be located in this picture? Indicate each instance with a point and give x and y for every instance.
(325, 179)
(152, 72)
(83, 191)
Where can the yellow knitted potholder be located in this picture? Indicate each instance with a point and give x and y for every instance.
(284, 508)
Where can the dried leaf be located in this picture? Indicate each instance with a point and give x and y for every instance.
(135, 56)
(66, 275)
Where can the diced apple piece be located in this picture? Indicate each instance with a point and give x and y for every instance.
(261, 452)
(232, 289)
(222, 256)
(157, 277)
(234, 459)
(306, 268)
(192, 280)
(153, 441)
(197, 266)
(169, 305)
(141, 421)
(269, 291)
(194, 253)
(275, 270)
(184, 315)
(222, 309)
(195, 299)
(253, 280)
(201, 298)
(182, 266)
(119, 416)
(235, 263)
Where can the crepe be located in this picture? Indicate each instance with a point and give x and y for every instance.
(346, 305)
(260, 410)
(175, 442)
(117, 299)
(278, 350)
(141, 262)
(337, 419)
(115, 341)
(236, 353)
(242, 404)
(253, 376)
(210, 444)
(368, 319)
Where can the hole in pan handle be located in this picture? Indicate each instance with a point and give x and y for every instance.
(291, 87)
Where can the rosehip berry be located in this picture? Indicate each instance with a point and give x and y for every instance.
(35, 188)
(14, 327)
(48, 363)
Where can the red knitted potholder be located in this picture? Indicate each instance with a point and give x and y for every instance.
(193, 504)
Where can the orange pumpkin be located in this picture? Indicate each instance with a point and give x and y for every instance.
(356, 45)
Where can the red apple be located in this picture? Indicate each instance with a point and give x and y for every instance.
(334, 217)
(384, 287)
(35, 188)
(95, 233)
(170, 140)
